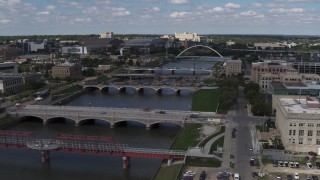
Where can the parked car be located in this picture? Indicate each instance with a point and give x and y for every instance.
(236, 176)
(286, 164)
(202, 175)
(309, 165)
(296, 175)
(314, 177)
(296, 165)
(308, 177)
(318, 165)
(289, 177)
(279, 176)
(291, 164)
(280, 163)
(275, 163)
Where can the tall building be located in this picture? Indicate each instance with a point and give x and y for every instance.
(187, 36)
(307, 67)
(11, 83)
(9, 67)
(67, 70)
(106, 35)
(74, 50)
(233, 67)
(273, 67)
(298, 120)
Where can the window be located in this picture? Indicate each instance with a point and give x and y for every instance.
(310, 132)
(290, 124)
(300, 140)
(294, 124)
(318, 125)
(294, 132)
(290, 132)
(293, 141)
(301, 132)
(318, 141)
(301, 124)
(318, 133)
(309, 141)
(310, 124)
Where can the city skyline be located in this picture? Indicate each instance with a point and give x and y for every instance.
(287, 17)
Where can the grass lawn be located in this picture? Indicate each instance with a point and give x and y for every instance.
(168, 172)
(219, 142)
(202, 162)
(188, 137)
(205, 100)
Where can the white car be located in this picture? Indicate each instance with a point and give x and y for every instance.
(296, 175)
(236, 176)
(309, 165)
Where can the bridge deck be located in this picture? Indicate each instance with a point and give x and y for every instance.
(93, 145)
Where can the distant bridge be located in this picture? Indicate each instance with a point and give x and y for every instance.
(199, 46)
(113, 116)
(141, 88)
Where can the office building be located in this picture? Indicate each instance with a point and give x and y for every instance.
(298, 119)
(187, 36)
(233, 67)
(67, 70)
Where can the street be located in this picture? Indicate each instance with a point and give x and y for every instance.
(243, 141)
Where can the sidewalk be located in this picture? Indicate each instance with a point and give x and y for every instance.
(226, 148)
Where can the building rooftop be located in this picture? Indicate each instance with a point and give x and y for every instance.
(300, 105)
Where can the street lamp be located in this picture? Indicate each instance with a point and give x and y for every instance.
(114, 112)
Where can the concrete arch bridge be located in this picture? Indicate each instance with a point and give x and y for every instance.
(141, 89)
(113, 116)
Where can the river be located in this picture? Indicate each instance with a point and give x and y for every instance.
(26, 164)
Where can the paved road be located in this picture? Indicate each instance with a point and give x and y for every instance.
(244, 137)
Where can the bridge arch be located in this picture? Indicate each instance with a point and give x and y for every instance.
(158, 123)
(91, 87)
(25, 118)
(116, 123)
(84, 120)
(200, 46)
(56, 118)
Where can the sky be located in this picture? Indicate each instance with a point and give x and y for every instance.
(50, 17)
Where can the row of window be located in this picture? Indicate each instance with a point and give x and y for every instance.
(301, 132)
(309, 141)
(303, 124)
(61, 71)
(270, 70)
(11, 83)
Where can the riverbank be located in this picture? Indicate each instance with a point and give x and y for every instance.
(203, 100)
(7, 121)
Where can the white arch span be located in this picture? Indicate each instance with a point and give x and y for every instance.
(200, 46)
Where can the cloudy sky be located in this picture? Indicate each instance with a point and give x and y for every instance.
(28, 17)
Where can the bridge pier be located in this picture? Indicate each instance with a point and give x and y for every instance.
(112, 126)
(44, 122)
(169, 163)
(125, 162)
(45, 156)
(148, 127)
(77, 124)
